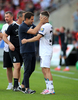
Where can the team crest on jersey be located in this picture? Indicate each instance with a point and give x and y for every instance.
(14, 59)
(42, 29)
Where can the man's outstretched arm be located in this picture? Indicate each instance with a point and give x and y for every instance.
(36, 38)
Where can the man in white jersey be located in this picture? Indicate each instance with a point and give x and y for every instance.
(14, 48)
(45, 51)
(6, 58)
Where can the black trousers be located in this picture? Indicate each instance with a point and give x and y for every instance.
(29, 60)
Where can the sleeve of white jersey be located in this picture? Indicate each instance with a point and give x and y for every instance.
(42, 30)
(2, 29)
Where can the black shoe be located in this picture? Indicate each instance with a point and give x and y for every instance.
(15, 88)
(21, 89)
(29, 91)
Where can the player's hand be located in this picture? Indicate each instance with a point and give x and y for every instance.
(23, 41)
(11, 46)
(43, 19)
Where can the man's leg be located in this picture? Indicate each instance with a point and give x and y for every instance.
(33, 62)
(66, 61)
(58, 68)
(9, 77)
(16, 73)
(9, 74)
(47, 73)
(48, 80)
(45, 64)
(27, 58)
(8, 64)
(27, 68)
(17, 61)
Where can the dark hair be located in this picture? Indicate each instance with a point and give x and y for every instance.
(45, 13)
(28, 15)
(9, 12)
(20, 13)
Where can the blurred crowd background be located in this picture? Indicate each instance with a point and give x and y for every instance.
(36, 6)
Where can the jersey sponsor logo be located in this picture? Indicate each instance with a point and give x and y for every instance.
(14, 59)
(42, 30)
(16, 30)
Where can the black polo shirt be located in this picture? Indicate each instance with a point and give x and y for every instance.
(27, 47)
(13, 32)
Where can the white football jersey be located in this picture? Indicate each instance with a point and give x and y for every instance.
(4, 28)
(45, 43)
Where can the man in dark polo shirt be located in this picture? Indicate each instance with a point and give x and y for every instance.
(27, 30)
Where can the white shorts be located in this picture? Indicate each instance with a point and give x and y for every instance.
(45, 61)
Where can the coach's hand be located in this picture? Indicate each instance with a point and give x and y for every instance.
(11, 46)
(23, 41)
(43, 19)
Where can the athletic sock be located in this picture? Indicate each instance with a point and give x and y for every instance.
(50, 85)
(15, 82)
(67, 67)
(59, 66)
(10, 83)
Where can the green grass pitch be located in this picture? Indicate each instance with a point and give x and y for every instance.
(65, 85)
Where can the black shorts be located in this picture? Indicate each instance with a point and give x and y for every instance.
(6, 60)
(16, 56)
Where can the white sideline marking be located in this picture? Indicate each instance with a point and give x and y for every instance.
(60, 76)
(60, 71)
(65, 77)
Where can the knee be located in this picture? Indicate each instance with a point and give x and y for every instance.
(17, 66)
